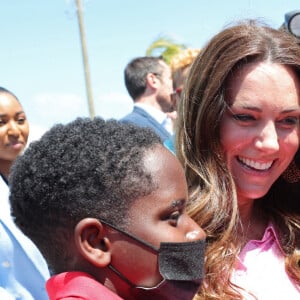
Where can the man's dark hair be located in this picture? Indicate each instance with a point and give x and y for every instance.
(136, 71)
(87, 168)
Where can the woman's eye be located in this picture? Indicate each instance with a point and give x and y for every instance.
(21, 121)
(243, 117)
(289, 121)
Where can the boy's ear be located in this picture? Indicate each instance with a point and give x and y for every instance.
(92, 243)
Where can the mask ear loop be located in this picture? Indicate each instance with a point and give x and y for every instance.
(111, 267)
(132, 236)
(129, 282)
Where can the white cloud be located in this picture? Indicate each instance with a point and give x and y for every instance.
(35, 132)
(45, 110)
(113, 105)
(48, 109)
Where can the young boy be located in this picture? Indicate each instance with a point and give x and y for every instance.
(105, 204)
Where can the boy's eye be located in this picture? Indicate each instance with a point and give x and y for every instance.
(173, 218)
(173, 214)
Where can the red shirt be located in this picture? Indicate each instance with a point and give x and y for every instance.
(76, 286)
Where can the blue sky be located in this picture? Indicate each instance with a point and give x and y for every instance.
(41, 59)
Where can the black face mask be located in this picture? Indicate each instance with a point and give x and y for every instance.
(180, 264)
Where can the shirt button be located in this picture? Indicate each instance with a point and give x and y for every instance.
(6, 264)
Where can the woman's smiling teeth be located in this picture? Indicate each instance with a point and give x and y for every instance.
(254, 164)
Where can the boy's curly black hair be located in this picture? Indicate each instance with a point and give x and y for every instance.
(87, 168)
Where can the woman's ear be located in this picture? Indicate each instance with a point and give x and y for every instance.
(92, 243)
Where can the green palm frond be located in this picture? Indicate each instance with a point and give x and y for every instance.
(164, 47)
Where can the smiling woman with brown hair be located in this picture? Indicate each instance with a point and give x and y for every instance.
(238, 130)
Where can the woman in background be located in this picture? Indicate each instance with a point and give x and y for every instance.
(23, 271)
(180, 66)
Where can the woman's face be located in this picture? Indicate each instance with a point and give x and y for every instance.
(260, 130)
(14, 127)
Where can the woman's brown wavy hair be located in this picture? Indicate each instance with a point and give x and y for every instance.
(213, 200)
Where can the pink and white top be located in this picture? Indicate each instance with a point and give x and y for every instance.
(261, 270)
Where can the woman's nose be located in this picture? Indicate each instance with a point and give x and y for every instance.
(267, 139)
(13, 129)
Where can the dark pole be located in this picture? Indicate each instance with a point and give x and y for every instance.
(85, 60)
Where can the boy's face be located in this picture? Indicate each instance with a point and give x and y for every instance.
(158, 217)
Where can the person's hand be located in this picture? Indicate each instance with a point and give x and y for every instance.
(175, 97)
(172, 115)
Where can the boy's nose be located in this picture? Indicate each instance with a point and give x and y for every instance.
(195, 232)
